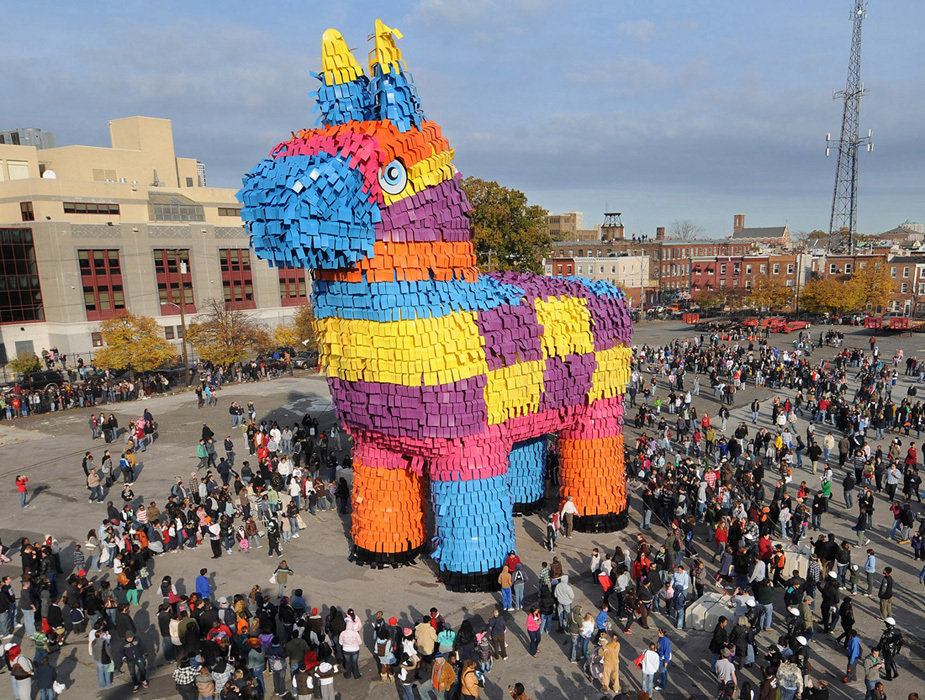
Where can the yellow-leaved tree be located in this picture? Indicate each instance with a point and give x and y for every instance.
(299, 333)
(133, 342)
(770, 293)
(830, 295)
(872, 287)
(225, 336)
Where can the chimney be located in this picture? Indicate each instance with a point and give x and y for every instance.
(738, 222)
(660, 233)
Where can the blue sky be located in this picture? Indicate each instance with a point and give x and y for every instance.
(661, 110)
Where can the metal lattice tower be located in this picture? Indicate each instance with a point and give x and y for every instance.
(843, 222)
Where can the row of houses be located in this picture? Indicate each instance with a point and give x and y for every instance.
(658, 270)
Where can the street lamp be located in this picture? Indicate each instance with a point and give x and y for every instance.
(182, 338)
(181, 270)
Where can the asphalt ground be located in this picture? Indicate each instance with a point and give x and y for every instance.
(49, 448)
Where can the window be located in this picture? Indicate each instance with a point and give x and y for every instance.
(173, 272)
(28, 213)
(789, 283)
(229, 211)
(776, 268)
(862, 265)
(560, 269)
(722, 268)
(20, 290)
(736, 269)
(921, 288)
(237, 281)
(581, 253)
(722, 282)
(96, 338)
(748, 284)
(613, 269)
(790, 269)
(847, 268)
(580, 269)
(762, 269)
(292, 287)
(176, 209)
(906, 272)
(91, 208)
(748, 269)
(892, 272)
(101, 277)
(189, 182)
(168, 332)
(904, 288)
(833, 269)
(877, 267)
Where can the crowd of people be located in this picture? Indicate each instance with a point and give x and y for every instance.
(83, 386)
(725, 505)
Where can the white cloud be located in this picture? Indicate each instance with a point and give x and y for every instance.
(641, 30)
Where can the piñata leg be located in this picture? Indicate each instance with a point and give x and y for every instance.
(473, 516)
(388, 507)
(591, 467)
(526, 475)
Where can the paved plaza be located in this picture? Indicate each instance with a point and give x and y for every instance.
(48, 449)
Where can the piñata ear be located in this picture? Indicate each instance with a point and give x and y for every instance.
(392, 86)
(344, 93)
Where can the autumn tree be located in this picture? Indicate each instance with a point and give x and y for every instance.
(225, 336)
(770, 293)
(24, 362)
(874, 288)
(685, 230)
(507, 232)
(709, 298)
(133, 342)
(829, 295)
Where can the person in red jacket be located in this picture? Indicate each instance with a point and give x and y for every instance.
(21, 482)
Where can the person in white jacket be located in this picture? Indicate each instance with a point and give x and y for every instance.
(650, 664)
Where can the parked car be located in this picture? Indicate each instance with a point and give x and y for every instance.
(307, 359)
(36, 381)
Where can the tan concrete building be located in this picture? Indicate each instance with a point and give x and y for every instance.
(631, 273)
(86, 232)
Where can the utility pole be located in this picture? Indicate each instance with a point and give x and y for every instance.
(843, 221)
(181, 271)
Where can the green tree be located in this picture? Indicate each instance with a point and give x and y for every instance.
(133, 342)
(24, 362)
(507, 232)
(225, 336)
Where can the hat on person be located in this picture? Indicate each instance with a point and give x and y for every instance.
(315, 612)
(223, 601)
(832, 574)
(802, 640)
(393, 621)
(854, 566)
(793, 611)
(406, 631)
(750, 603)
(81, 573)
(890, 621)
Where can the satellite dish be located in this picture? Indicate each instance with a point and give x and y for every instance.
(49, 175)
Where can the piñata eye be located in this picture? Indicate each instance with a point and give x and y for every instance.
(393, 177)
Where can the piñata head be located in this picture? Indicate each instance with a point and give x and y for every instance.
(319, 199)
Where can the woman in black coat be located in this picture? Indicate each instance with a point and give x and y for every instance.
(739, 637)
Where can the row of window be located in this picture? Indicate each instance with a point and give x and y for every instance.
(101, 276)
(91, 208)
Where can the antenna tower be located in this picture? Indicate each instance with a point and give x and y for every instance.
(843, 222)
